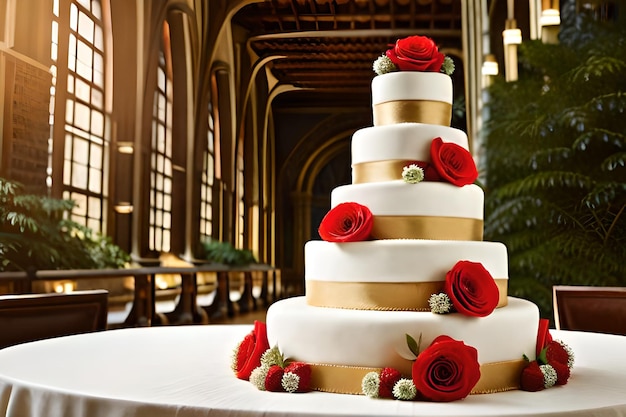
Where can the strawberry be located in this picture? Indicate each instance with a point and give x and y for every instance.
(532, 378)
(250, 350)
(303, 370)
(388, 378)
(562, 372)
(554, 352)
(273, 380)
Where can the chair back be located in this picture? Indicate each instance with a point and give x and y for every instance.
(30, 317)
(593, 309)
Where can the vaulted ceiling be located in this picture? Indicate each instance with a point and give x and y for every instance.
(329, 45)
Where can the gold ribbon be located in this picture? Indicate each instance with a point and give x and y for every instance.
(418, 111)
(379, 171)
(427, 227)
(401, 296)
(494, 377)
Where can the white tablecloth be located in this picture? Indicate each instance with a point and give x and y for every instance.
(185, 371)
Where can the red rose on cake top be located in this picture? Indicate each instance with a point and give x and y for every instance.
(416, 53)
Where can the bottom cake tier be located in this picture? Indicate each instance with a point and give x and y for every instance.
(343, 345)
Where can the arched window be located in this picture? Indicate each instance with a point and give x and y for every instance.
(80, 121)
(208, 177)
(240, 198)
(161, 168)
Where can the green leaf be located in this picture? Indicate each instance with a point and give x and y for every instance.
(414, 346)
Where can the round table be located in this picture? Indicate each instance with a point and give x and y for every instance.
(185, 371)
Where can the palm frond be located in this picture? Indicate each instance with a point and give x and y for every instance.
(602, 67)
(599, 136)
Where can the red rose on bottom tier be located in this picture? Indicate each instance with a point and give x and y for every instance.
(447, 370)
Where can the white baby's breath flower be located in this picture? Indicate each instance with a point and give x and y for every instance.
(384, 65)
(412, 174)
(404, 389)
(233, 357)
(549, 375)
(272, 357)
(370, 384)
(448, 66)
(440, 303)
(290, 382)
(258, 375)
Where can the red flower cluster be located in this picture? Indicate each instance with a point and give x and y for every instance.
(471, 289)
(553, 365)
(249, 351)
(447, 370)
(295, 377)
(416, 53)
(347, 222)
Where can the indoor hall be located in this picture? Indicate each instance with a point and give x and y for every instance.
(175, 162)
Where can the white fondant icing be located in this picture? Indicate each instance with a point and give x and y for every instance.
(405, 141)
(399, 260)
(428, 198)
(378, 338)
(409, 85)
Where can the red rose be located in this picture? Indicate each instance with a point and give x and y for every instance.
(416, 53)
(249, 351)
(453, 162)
(347, 222)
(447, 370)
(471, 289)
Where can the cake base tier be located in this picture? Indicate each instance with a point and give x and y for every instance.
(339, 339)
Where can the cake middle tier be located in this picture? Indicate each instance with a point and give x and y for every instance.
(428, 210)
(380, 152)
(392, 274)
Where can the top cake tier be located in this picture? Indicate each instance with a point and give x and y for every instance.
(420, 97)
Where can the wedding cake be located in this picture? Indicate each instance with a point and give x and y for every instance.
(404, 299)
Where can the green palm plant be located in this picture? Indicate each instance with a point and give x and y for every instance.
(555, 166)
(36, 233)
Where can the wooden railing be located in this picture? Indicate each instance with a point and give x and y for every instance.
(187, 310)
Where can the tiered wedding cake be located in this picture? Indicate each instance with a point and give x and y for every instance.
(403, 272)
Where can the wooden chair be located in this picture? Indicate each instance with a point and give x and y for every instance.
(592, 309)
(29, 317)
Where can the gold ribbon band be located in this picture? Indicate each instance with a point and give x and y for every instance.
(494, 377)
(379, 171)
(396, 296)
(418, 111)
(427, 227)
